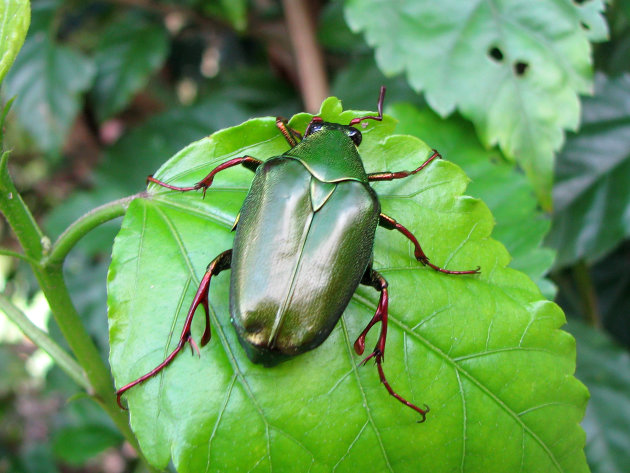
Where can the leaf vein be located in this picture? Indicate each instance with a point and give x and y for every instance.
(480, 385)
(361, 390)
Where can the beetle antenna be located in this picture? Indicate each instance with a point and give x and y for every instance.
(379, 108)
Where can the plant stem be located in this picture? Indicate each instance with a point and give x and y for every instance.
(42, 340)
(51, 281)
(15, 254)
(307, 53)
(20, 219)
(83, 225)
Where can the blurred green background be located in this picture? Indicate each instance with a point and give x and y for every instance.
(108, 90)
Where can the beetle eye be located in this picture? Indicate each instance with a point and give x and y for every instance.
(313, 127)
(355, 136)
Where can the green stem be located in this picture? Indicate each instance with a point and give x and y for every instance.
(20, 219)
(83, 225)
(42, 340)
(51, 281)
(15, 254)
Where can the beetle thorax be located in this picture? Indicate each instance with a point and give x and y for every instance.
(330, 155)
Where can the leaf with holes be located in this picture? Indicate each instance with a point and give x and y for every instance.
(484, 352)
(513, 68)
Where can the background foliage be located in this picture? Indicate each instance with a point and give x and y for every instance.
(108, 90)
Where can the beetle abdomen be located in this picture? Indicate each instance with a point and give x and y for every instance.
(296, 262)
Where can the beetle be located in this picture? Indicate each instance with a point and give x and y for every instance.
(303, 243)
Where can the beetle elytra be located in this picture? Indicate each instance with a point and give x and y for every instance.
(303, 243)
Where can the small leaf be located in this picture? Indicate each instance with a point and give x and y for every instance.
(514, 68)
(521, 225)
(592, 192)
(130, 50)
(605, 368)
(15, 16)
(483, 351)
(48, 80)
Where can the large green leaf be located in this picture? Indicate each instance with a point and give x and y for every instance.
(514, 68)
(520, 224)
(129, 51)
(15, 16)
(605, 368)
(592, 193)
(483, 351)
(49, 81)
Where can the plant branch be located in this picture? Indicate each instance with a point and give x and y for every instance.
(307, 53)
(54, 288)
(83, 225)
(20, 218)
(15, 254)
(42, 340)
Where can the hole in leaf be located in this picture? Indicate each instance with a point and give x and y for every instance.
(495, 53)
(579, 2)
(584, 25)
(520, 68)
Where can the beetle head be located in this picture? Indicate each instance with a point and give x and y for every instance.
(317, 124)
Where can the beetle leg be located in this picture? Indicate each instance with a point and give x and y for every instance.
(247, 161)
(375, 280)
(292, 136)
(378, 282)
(390, 176)
(390, 224)
(379, 108)
(221, 262)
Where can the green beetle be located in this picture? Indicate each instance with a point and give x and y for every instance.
(303, 244)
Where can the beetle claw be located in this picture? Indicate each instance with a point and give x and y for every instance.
(376, 354)
(366, 359)
(424, 413)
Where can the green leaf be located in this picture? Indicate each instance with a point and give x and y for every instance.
(118, 176)
(592, 192)
(15, 16)
(130, 50)
(49, 81)
(515, 69)
(483, 351)
(520, 224)
(605, 368)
